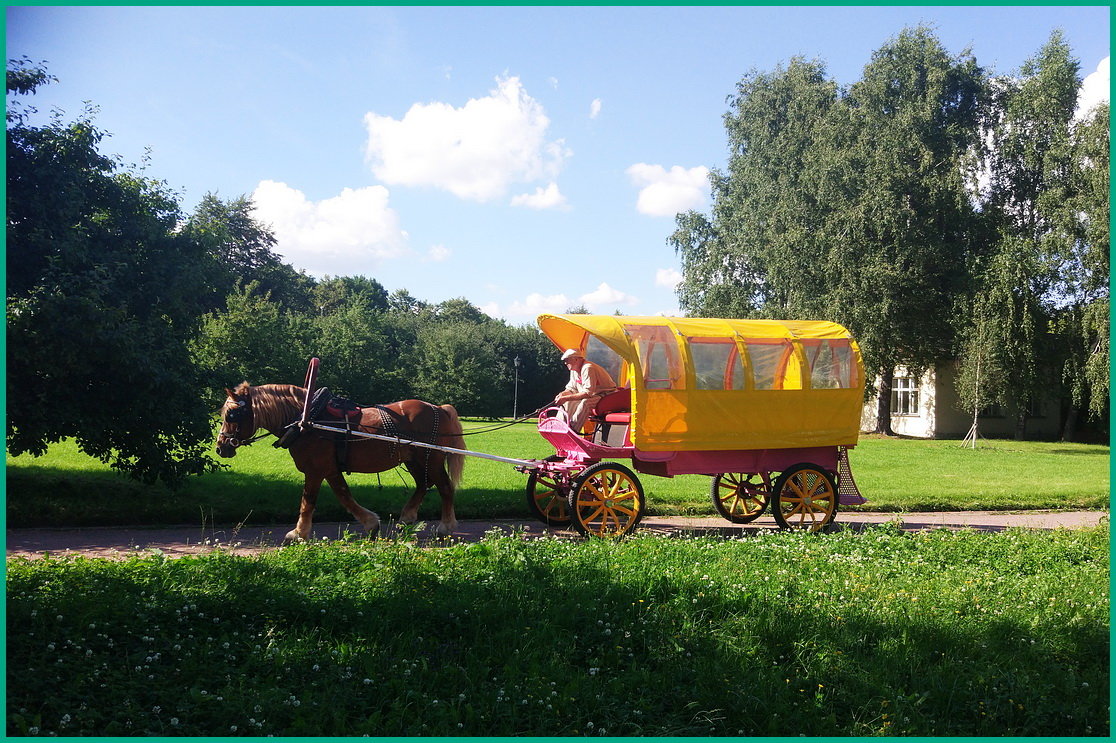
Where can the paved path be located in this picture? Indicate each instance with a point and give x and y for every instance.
(179, 541)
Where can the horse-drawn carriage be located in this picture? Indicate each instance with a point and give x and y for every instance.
(767, 408)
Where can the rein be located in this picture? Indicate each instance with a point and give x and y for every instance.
(498, 426)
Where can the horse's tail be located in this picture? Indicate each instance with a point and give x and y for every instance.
(455, 462)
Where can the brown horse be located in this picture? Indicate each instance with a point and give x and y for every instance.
(272, 407)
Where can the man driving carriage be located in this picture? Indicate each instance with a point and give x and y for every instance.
(588, 384)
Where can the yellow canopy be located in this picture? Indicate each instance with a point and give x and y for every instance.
(711, 384)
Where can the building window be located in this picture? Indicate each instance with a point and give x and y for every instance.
(904, 396)
(992, 411)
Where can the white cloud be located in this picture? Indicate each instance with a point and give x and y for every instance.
(542, 198)
(667, 277)
(536, 304)
(602, 299)
(348, 234)
(475, 152)
(664, 193)
(1094, 89)
(595, 108)
(606, 295)
(437, 254)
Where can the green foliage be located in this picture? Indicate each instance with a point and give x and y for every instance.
(252, 339)
(848, 205)
(878, 633)
(331, 293)
(103, 294)
(242, 250)
(24, 77)
(867, 206)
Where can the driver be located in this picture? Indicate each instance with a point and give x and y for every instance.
(588, 384)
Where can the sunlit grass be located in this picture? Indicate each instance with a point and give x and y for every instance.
(782, 634)
(261, 484)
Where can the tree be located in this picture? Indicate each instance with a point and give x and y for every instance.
(243, 252)
(1029, 204)
(332, 293)
(1083, 322)
(455, 363)
(763, 252)
(250, 339)
(103, 293)
(461, 310)
(914, 121)
(354, 354)
(845, 205)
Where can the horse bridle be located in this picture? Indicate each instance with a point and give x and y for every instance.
(237, 416)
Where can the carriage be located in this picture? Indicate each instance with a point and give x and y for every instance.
(768, 409)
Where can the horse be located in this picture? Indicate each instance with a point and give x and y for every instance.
(273, 407)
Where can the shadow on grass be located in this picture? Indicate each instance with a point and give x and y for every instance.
(46, 497)
(522, 644)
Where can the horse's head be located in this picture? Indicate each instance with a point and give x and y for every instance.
(237, 423)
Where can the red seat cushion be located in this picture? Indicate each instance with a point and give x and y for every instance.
(619, 401)
(625, 418)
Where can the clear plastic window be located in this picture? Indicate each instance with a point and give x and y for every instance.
(774, 365)
(831, 364)
(604, 357)
(716, 364)
(658, 353)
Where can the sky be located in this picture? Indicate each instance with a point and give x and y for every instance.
(528, 159)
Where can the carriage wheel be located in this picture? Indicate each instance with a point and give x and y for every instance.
(606, 500)
(547, 499)
(805, 497)
(740, 498)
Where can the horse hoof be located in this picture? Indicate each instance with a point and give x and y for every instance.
(292, 537)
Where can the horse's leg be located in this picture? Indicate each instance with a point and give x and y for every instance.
(442, 480)
(306, 513)
(409, 514)
(369, 520)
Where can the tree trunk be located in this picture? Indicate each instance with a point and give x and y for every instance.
(883, 403)
(1069, 429)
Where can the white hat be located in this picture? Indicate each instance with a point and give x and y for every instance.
(569, 352)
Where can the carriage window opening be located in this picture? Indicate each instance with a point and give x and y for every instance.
(774, 365)
(598, 353)
(658, 354)
(716, 364)
(831, 364)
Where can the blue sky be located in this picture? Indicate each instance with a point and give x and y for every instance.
(526, 158)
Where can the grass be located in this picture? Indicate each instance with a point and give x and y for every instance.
(873, 633)
(261, 486)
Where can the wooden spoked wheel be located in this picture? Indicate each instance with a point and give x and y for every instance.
(805, 498)
(740, 498)
(606, 500)
(548, 499)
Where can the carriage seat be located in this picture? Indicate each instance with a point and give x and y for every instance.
(615, 407)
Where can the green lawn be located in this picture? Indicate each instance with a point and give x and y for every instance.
(261, 484)
(874, 633)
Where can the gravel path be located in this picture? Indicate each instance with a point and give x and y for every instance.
(190, 540)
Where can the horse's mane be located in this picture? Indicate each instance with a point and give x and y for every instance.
(274, 405)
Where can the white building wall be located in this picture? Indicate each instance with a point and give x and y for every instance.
(940, 414)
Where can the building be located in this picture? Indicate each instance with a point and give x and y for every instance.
(929, 408)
